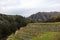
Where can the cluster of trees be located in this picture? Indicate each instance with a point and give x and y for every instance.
(10, 23)
(55, 18)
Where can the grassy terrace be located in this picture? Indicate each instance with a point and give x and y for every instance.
(38, 31)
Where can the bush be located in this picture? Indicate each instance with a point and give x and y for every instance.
(10, 23)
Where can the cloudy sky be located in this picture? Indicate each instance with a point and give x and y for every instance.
(28, 7)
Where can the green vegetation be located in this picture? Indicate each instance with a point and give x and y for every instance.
(41, 30)
(55, 18)
(9, 24)
(48, 36)
(38, 31)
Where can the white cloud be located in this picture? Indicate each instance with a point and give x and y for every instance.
(31, 3)
(39, 5)
(11, 4)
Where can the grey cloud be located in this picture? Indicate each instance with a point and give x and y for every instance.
(23, 12)
(28, 12)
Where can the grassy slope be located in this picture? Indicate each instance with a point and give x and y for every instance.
(48, 36)
(37, 31)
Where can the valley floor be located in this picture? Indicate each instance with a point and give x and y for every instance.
(38, 31)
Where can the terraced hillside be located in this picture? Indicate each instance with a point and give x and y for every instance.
(38, 31)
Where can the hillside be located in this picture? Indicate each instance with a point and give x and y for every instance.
(9, 24)
(42, 16)
(37, 31)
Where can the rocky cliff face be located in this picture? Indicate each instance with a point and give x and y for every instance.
(42, 16)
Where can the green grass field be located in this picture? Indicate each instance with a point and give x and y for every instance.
(38, 31)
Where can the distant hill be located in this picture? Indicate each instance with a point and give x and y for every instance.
(42, 16)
